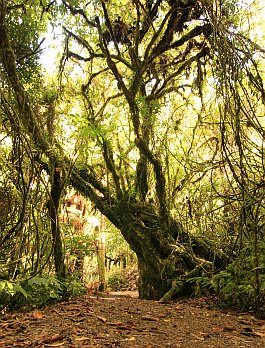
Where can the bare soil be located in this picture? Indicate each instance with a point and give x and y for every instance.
(122, 320)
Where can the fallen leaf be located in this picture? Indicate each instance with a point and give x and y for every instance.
(37, 315)
(130, 339)
(51, 339)
(82, 338)
(74, 308)
(228, 328)
(244, 322)
(130, 323)
(99, 336)
(77, 320)
(259, 322)
(74, 314)
(248, 333)
(102, 319)
(162, 315)
(6, 343)
(149, 318)
(201, 336)
(116, 323)
(247, 329)
(260, 334)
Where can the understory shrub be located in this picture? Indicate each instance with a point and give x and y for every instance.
(201, 285)
(37, 291)
(122, 279)
(234, 290)
(238, 285)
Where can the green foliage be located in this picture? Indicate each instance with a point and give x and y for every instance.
(9, 289)
(25, 29)
(237, 284)
(203, 180)
(37, 291)
(203, 283)
(234, 288)
(79, 246)
(44, 290)
(120, 279)
(49, 96)
(117, 281)
(73, 287)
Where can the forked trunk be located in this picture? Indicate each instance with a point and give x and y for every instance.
(167, 255)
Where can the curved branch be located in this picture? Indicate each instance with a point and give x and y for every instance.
(163, 90)
(101, 110)
(79, 180)
(78, 11)
(36, 50)
(150, 14)
(156, 35)
(161, 47)
(80, 40)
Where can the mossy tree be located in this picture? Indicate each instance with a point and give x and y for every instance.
(145, 67)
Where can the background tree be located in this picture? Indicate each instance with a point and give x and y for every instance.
(25, 112)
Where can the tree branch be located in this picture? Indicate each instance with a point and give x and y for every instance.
(79, 11)
(8, 60)
(163, 90)
(159, 175)
(32, 53)
(81, 41)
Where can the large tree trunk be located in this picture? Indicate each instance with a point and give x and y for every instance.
(167, 255)
(165, 270)
(151, 285)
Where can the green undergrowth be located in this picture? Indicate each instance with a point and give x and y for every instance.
(236, 287)
(122, 279)
(37, 291)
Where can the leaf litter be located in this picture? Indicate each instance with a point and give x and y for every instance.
(123, 320)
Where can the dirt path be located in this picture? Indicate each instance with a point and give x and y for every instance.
(121, 320)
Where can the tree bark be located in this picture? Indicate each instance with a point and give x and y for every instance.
(150, 284)
(54, 205)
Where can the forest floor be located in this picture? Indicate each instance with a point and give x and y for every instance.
(122, 320)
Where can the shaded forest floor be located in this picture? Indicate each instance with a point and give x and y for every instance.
(122, 320)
